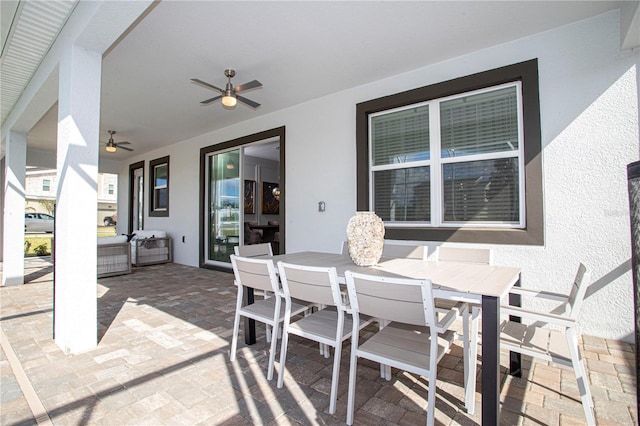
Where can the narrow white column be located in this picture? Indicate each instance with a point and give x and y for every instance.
(75, 307)
(13, 209)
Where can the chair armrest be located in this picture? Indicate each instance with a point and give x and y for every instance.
(558, 297)
(538, 316)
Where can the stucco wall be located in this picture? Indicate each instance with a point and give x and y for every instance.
(589, 116)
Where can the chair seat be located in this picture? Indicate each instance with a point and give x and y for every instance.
(262, 310)
(323, 324)
(540, 342)
(405, 346)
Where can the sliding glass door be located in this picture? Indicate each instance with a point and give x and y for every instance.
(223, 201)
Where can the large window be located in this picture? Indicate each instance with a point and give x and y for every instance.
(456, 161)
(159, 187)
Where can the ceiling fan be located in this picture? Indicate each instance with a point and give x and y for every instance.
(112, 146)
(230, 94)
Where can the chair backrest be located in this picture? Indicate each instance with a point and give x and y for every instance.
(404, 300)
(578, 290)
(255, 273)
(310, 283)
(344, 247)
(253, 250)
(391, 250)
(464, 254)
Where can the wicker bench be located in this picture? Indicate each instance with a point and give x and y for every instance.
(150, 247)
(114, 256)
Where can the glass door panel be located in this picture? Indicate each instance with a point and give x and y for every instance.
(223, 227)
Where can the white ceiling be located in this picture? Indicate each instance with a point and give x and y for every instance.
(298, 50)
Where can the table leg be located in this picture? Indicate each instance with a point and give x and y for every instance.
(515, 357)
(490, 360)
(249, 324)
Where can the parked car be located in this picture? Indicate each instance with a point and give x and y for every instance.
(110, 220)
(38, 222)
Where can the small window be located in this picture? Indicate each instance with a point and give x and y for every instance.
(110, 189)
(159, 187)
(46, 185)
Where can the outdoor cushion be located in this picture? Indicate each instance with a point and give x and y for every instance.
(118, 239)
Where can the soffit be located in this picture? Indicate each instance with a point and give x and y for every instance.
(29, 28)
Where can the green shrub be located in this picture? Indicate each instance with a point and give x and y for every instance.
(32, 243)
(42, 250)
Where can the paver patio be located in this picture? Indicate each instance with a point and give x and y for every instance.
(162, 358)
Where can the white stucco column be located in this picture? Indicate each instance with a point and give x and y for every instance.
(13, 209)
(75, 307)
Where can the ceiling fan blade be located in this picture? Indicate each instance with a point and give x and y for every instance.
(247, 86)
(123, 143)
(208, 101)
(248, 101)
(207, 85)
(124, 147)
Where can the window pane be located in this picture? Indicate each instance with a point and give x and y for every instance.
(401, 136)
(481, 191)
(161, 175)
(478, 124)
(403, 195)
(161, 199)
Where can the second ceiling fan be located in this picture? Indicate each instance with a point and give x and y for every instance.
(229, 94)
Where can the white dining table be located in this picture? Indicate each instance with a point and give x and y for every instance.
(475, 283)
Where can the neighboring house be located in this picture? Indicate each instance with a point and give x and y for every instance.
(41, 187)
(578, 130)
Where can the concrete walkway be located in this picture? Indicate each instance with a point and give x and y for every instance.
(162, 359)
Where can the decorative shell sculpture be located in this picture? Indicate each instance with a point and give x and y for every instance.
(365, 236)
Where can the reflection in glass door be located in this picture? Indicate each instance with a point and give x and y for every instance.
(223, 196)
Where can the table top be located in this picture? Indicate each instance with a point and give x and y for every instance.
(470, 280)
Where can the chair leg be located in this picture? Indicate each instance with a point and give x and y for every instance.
(272, 352)
(337, 353)
(465, 350)
(581, 375)
(431, 401)
(234, 339)
(268, 334)
(351, 396)
(470, 379)
(283, 353)
(385, 370)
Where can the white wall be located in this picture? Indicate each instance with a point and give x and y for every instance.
(589, 116)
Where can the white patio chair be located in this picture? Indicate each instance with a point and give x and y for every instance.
(392, 250)
(259, 274)
(470, 315)
(254, 250)
(558, 344)
(413, 340)
(328, 326)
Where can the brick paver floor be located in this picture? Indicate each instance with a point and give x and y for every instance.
(163, 359)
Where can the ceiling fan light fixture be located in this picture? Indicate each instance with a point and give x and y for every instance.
(111, 147)
(229, 100)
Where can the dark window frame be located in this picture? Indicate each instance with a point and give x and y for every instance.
(527, 73)
(132, 187)
(152, 179)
